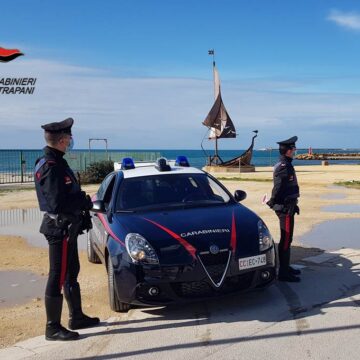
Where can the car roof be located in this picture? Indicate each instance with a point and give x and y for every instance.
(149, 169)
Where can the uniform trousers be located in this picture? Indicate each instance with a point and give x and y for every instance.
(287, 230)
(64, 264)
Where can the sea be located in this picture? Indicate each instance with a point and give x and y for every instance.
(266, 157)
(14, 160)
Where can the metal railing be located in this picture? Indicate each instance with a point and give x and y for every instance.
(17, 166)
(19, 216)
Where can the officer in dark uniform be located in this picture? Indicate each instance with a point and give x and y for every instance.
(284, 199)
(66, 211)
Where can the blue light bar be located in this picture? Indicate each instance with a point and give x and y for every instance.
(182, 161)
(127, 164)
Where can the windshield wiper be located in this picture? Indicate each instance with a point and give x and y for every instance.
(165, 206)
(202, 204)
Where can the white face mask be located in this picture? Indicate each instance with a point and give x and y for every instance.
(71, 145)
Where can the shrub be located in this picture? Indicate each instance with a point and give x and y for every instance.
(97, 172)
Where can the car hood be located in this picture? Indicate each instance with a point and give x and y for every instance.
(179, 235)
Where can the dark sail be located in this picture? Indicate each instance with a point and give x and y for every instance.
(221, 126)
(219, 121)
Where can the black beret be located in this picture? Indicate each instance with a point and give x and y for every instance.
(59, 127)
(289, 142)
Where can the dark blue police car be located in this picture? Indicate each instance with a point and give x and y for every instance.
(168, 233)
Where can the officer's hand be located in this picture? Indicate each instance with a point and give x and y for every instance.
(86, 222)
(88, 203)
(297, 210)
(271, 203)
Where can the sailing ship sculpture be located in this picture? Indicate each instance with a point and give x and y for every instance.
(221, 127)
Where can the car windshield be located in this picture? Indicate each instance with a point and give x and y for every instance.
(159, 191)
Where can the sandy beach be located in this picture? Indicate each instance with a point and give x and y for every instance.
(317, 190)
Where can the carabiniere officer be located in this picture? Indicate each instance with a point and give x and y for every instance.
(284, 199)
(66, 215)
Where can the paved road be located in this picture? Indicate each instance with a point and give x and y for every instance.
(318, 318)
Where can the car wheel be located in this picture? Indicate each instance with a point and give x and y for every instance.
(91, 254)
(115, 304)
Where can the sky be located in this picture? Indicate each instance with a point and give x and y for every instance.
(138, 73)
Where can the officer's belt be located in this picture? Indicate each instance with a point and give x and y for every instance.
(71, 218)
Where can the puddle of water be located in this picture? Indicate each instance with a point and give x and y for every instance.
(343, 208)
(19, 287)
(334, 196)
(334, 235)
(337, 187)
(26, 223)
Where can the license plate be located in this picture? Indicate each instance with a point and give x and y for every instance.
(252, 262)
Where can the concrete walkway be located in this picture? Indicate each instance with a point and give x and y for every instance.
(318, 318)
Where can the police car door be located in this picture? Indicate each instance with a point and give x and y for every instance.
(100, 220)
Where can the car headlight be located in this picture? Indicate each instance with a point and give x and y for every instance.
(265, 238)
(140, 250)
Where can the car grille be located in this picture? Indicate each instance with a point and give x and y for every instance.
(215, 264)
(192, 289)
(199, 289)
(237, 283)
(210, 259)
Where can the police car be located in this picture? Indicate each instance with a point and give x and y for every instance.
(168, 233)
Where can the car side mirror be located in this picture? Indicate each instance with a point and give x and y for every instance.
(240, 195)
(98, 206)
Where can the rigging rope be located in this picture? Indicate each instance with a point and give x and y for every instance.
(206, 154)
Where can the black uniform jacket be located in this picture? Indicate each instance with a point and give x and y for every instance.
(57, 188)
(286, 188)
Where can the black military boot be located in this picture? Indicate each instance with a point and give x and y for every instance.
(286, 275)
(54, 331)
(77, 319)
(294, 271)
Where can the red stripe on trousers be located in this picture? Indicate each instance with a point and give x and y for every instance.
(287, 232)
(63, 261)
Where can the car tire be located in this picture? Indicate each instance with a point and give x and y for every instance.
(91, 254)
(115, 304)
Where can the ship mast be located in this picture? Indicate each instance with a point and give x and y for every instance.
(215, 159)
(218, 119)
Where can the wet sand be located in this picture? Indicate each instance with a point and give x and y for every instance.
(24, 321)
(27, 320)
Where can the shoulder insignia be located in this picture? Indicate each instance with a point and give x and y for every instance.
(279, 166)
(39, 164)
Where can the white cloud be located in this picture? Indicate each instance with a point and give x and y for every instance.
(350, 20)
(167, 112)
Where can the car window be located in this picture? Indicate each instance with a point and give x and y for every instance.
(108, 192)
(104, 185)
(169, 190)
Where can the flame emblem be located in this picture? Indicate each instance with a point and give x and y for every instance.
(7, 55)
